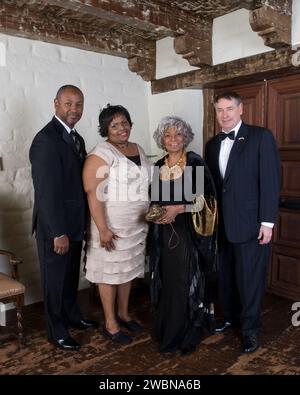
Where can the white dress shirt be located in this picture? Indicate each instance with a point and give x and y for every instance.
(68, 129)
(225, 150)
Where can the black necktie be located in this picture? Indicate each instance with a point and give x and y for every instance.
(223, 135)
(77, 143)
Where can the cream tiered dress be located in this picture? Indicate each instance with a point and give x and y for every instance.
(126, 203)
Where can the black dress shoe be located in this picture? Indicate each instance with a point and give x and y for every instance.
(68, 344)
(85, 324)
(223, 327)
(250, 343)
(119, 337)
(131, 325)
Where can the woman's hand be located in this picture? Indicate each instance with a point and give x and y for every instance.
(106, 239)
(61, 245)
(171, 213)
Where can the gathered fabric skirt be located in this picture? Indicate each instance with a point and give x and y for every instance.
(127, 261)
(173, 328)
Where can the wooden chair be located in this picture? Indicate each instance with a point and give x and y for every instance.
(12, 291)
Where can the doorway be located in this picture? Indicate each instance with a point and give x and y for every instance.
(275, 104)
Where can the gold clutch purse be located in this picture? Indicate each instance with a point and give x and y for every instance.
(204, 215)
(155, 213)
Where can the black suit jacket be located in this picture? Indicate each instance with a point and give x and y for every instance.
(249, 192)
(59, 199)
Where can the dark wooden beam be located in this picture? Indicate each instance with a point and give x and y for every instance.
(153, 16)
(208, 115)
(143, 67)
(147, 16)
(274, 27)
(197, 52)
(282, 6)
(212, 75)
(33, 24)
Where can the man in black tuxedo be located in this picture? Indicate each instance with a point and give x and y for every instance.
(59, 214)
(244, 162)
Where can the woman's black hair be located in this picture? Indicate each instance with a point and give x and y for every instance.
(106, 116)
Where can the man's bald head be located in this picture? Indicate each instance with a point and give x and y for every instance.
(68, 104)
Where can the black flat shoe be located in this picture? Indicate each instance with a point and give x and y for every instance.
(119, 337)
(67, 344)
(85, 324)
(132, 326)
(250, 343)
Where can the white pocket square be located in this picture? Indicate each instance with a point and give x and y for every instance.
(241, 138)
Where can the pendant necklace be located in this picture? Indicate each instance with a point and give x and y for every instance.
(168, 172)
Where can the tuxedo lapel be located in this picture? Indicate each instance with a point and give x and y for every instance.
(215, 156)
(239, 143)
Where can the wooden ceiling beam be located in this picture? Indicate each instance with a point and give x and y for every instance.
(240, 68)
(281, 6)
(142, 66)
(273, 26)
(147, 16)
(196, 51)
(23, 22)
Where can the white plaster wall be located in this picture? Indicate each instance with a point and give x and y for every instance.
(296, 22)
(30, 74)
(167, 61)
(2, 54)
(186, 104)
(233, 38)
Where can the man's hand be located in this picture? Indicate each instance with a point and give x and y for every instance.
(61, 245)
(265, 234)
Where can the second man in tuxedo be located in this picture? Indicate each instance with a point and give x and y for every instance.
(244, 162)
(59, 215)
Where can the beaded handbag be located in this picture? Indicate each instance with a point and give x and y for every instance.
(155, 213)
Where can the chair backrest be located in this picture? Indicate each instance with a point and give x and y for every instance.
(13, 261)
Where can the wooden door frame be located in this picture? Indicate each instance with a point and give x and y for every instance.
(274, 286)
(208, 95)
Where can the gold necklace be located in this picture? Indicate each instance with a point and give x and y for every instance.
(168, 172)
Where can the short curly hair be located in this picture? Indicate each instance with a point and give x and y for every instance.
(107, 115)
(169, 122)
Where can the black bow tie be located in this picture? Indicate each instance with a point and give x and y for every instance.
(223, 135)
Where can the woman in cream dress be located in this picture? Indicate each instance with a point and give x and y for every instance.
(116, 180)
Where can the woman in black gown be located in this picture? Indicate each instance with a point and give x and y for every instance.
(181, 260)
